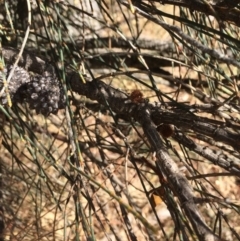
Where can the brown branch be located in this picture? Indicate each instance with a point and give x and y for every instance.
(228, 163)
(175, 178)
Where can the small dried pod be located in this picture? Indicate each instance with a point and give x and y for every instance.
(136, 96)
(166, 130)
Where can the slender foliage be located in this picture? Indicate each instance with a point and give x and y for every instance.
(119, 120)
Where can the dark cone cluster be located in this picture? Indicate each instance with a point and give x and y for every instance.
(19, 78)
(44, 93)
